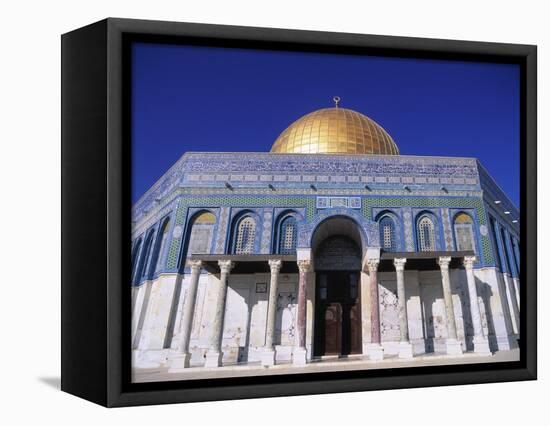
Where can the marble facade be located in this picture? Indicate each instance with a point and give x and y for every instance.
(188, 315)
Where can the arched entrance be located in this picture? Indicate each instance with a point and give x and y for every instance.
(337, 257)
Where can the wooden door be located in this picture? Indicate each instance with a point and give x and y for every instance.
(355, 332)
(337, 314)
(333, 329)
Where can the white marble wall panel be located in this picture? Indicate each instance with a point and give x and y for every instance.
(258, 317)
(236, 322)
(495, 309)
(159, 311)
(140, 301)
(285, 321)
(433, 310)
(414, 311)
(389, 311)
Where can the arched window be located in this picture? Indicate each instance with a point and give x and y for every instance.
(202, 232)
(287, 236)
(135, 257)
(426, 234)
(464, 232)
(162, 245)
(244, 236)
(145, 258)
(504, 253)
(387, 234)
(515, 248)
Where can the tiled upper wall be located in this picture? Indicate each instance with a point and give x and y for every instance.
(299, 170)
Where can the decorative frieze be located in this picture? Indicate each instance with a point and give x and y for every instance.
(338, 202)
(263, 167)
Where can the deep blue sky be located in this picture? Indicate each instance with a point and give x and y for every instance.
(187, 98)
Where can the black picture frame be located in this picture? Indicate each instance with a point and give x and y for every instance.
(96, 192)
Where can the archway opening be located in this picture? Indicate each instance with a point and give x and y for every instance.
(337, 252)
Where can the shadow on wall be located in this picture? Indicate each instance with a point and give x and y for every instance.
(171, 331)
(427, 302)
(506, 309)
(467, 320)
(485, 292)
(243, 350)
(142, 313)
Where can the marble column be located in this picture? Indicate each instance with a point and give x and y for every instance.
(183, 357)
(405, 347)
(481, 344)
(375, 350)
(268, 354)
(214, 353)
(452, 344)
(299, 354)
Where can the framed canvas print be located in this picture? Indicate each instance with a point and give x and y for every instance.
(253, 212)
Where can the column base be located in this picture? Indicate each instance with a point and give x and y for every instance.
(143, 359)
(299, 356)
(505, 343)
(213, 359)
(481, 346)
(405, 350)
(453, 347)
(375, 351)
(268, 358)
(180, 362)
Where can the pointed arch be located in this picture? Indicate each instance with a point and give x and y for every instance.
(463, 226)
(162, 238)
(389, 230)
(135, 257)
(145, 258)
(200, 233)
(286, 233)
(426, 232)
(244, 235)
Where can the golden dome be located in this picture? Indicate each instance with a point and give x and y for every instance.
(335, 131)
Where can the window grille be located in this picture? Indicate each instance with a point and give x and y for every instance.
(387, 234)
(288, 234)
(426, 237)
(246, 233)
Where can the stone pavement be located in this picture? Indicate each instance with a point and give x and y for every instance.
(142, 375)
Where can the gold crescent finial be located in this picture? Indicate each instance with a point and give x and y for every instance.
(336, 100)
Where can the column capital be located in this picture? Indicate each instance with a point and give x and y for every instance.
(275, 264)
(469, 261)
(399, 263)
(304, 265)
(225, 266)
(194, 264)
(372, 264)
(444, 261)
